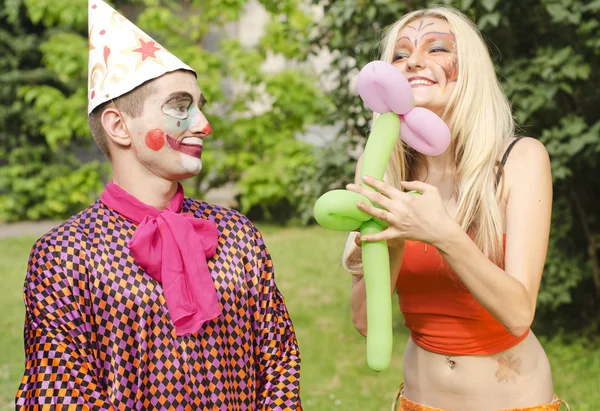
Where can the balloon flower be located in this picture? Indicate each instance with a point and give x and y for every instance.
(383, 89)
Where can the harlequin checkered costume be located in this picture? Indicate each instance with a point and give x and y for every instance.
(98, 335)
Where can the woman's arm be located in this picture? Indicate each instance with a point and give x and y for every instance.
(510, 295)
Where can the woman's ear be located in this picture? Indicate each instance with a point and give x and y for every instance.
(114, 125)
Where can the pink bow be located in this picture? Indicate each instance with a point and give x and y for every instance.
(173, 248)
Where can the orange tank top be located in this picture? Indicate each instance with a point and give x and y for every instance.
(441, 314)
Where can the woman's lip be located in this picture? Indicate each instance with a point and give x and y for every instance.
(419, 78)
(191, 150)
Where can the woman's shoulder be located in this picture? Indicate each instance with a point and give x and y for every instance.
(525, 159)
(524, 152)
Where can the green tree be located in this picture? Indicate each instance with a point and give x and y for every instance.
(44, 130)
(547, 57)
(34, 181)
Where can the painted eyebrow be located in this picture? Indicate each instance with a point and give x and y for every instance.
(436, 32)
(178, 96)
(184, 96)
(407, 39)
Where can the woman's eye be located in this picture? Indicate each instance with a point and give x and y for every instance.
(400, 56)
(438, 50)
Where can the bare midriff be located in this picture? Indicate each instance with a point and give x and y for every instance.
(517, 377)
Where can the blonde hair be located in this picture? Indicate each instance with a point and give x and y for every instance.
(480, 120)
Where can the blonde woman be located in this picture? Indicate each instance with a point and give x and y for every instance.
(467, 255)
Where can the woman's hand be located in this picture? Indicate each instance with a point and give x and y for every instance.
(392, 243)
(409, 216)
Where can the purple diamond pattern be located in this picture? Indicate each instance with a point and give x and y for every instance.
(98, 335)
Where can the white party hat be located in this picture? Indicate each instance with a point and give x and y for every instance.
(121, 56)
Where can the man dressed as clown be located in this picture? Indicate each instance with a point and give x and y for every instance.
(150, 300)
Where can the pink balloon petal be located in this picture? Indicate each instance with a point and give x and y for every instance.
(384, 88)
(424, 131)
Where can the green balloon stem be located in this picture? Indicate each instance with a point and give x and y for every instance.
(380, 144)
(337, 210)
(376, 265)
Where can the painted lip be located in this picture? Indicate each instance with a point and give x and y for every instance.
(414, 78)
(193, 150)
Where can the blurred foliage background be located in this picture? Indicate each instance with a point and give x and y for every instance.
(547, 54)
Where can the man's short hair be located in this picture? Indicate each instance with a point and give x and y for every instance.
(131, 103)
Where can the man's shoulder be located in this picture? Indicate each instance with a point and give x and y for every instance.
(224, 217)
(71, 231)
(60, 245)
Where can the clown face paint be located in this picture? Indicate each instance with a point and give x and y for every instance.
(155, 139)
(192, 146)
(168, 135)
(177, 108)
(181, 114)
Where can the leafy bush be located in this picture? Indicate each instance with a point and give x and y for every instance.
(256, 124)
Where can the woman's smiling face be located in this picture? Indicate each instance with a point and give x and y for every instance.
(425, 52)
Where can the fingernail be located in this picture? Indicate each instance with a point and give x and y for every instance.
(366, 178)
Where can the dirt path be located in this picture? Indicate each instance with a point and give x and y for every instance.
(223, 196)
(26, 228)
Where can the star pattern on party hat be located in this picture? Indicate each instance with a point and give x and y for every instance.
(144, 49)
(147, 49)
(121, 55)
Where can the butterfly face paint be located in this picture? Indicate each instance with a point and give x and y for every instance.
(426, 53)
(438, 48)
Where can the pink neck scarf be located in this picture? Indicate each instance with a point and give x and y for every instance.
(172, 248)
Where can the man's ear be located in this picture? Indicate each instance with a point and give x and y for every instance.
(115, 128)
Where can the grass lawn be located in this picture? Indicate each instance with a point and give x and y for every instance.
(334, 370)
